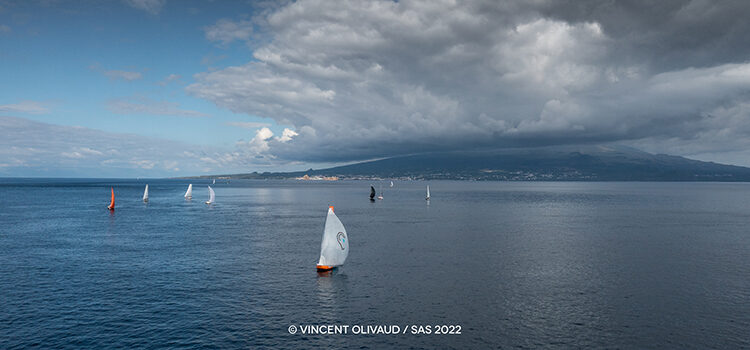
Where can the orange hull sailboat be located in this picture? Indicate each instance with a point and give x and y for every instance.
(111, 205)
(335, 245)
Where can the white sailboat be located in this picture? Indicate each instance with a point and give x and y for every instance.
(145, 194)
(391, 183)
(211, 195)
(189, 192)
(334, 248)
(428, 193)
(381, 193)
(214, 183)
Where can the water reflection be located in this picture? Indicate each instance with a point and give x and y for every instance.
(331, 287)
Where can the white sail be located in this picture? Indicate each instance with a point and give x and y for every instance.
(335, 245)
(211, 195)
(214, 183)
(145, 194)
(391, 183)
(189, 192)
(428, 192)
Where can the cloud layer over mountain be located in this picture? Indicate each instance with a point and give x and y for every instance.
(359, 80)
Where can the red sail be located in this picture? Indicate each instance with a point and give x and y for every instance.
(112, 202)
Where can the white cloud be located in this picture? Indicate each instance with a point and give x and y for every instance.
(287, 135)
(259, 143)
(148, 106)
(226, 31)
(151, 6)
(30, 107)
(258, 147)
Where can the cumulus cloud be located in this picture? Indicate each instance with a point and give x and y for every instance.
(226, 31)
(259, 146)
(150, 6)
(287, 135)
(148, 106)
(30, 107)
(359, 80)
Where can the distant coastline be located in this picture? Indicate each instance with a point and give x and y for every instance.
(573, 163)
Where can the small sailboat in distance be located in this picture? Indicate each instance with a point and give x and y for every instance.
(145, 194)
(381, 193)
(334, 248)
(214, 183)
(391, 183)
(428, 193)
(189, 192)
(372, 193)
(111, 205)
(211, 196)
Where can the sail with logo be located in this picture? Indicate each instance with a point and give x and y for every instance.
(335, 245)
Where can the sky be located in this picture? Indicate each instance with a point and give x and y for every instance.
(158, 88)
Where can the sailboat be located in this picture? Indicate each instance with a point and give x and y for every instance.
(189, 192)
(381, 193)
(111, 205)
(372, 193)
(211, 195)
(428, 193)
(391, 183)
(145, 194)
(334, 248)
(214, 183)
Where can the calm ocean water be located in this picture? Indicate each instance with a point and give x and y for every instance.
(560, 265)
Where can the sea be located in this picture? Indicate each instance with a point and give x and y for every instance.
(481, 265)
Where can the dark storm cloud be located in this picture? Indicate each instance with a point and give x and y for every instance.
(667, 34)
(359, 80)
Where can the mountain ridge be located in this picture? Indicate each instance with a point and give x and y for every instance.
(562, 163)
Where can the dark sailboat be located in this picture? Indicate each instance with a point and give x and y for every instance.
(372, 193)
